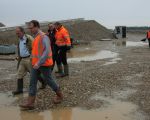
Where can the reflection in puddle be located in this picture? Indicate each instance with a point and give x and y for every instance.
(99, 55)
(81, 52)
(134, 44)
(117, 111)
(129, 43)
(119, 43)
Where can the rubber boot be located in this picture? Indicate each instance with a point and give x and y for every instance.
(57, 71)
(29, 104)
(66, 70)
(19, 87)
(59, 97)
(60, 71)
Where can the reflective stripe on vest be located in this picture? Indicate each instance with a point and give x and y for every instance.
(37, 51)
(38, 56)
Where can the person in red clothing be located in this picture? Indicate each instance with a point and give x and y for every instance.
(148, 37)
(64, 44)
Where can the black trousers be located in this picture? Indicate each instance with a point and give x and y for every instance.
(62, 55)
(55, 55)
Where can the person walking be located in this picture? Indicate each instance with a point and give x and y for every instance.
(41, 63)
(24, 64)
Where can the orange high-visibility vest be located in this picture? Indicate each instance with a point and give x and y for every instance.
(37, 51)
(62, 37)
(148, 34)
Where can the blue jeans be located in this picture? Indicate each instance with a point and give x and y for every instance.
(35, 73)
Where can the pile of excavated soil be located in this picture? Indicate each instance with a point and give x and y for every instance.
(89, 31)
(2, 25)
(86, 30)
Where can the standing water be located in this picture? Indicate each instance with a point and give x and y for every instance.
(112, 110)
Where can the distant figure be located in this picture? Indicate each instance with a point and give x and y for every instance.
(148, 37)
(64, 44)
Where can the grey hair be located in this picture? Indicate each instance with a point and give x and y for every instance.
(21, 29)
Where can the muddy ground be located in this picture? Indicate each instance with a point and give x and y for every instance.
(101, 72)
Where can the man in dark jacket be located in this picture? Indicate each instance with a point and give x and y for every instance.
(51, 34)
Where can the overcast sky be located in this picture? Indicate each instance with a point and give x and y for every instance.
(107, 12)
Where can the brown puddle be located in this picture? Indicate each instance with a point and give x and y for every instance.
(89, 53)
(81, 51)
(112, 110)
(6, 99)
(103, 54)
(118, 110)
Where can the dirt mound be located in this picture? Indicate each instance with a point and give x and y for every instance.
(86, 30)
(82, 30)
(89, 31)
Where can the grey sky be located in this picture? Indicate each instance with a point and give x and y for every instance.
(107, 12)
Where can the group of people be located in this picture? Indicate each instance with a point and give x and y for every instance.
(37, 55)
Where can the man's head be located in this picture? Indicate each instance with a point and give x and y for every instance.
(34, 26)
(51, 26)
(20, 32)
(57, 25)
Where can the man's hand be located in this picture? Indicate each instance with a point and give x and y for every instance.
(17, 58)
(36, 66)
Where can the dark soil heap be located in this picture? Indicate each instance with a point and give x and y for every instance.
(89, 31)
(2, 25)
